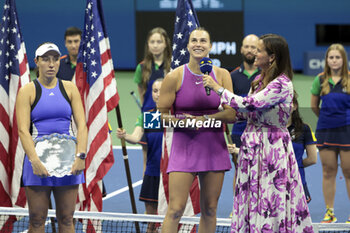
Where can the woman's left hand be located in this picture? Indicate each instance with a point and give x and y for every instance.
(208, 81)
(78, 166)
(195, 118)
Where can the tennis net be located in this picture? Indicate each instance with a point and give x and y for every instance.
(17, 220)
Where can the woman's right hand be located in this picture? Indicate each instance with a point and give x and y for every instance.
(39, 168)
(208, 81)
(121, 133)
(232, 149)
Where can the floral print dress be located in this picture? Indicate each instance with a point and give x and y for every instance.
(269, 195)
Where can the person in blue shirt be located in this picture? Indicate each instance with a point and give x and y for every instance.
(303, 139)
(332, 88)
(242, 78)
(155, 64)
(72, 38)
(45, 107)
(154, 138)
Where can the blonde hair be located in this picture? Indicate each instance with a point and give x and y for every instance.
(327, 74)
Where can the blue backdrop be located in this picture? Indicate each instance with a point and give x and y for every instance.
(46, 20)
(295, 20)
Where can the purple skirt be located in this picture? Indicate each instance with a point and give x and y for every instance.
(199, 151)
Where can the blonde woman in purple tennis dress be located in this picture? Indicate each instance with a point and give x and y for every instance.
(195, 151)
(269, 195)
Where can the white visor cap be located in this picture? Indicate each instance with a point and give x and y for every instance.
(44, 48)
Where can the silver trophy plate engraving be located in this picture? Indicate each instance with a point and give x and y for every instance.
(57, 153)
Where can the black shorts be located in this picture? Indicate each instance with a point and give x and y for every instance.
(307, 193)
(143, 141)
(236, 139)
(149, 189)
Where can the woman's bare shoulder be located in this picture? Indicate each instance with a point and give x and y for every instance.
(177, 72)
(220, 71)
(68, 84)
(174, 75)
(27, 88)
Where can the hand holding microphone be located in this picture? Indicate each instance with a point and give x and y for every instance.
(206, 66)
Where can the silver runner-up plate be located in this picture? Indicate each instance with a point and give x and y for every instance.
(57, 153)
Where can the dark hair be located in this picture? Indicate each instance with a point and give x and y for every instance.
(72, 31)
(201, 29)
(297, 121)
(278, 46)
(159, 80)
(148, 56)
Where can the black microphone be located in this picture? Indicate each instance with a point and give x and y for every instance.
(206, 66)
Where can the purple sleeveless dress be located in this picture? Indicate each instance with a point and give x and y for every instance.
(199, 150)
(52, 114)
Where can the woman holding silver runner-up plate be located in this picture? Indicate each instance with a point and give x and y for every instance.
(55, 157)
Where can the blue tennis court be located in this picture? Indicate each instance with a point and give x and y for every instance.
(118, 199)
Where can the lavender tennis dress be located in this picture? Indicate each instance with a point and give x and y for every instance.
(51, 114)
(197, 150)
(269, 195)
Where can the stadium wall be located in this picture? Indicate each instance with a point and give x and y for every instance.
(46, 20)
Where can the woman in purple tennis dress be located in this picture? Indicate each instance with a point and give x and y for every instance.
(195, 151)
(269, 195)
(46, 106)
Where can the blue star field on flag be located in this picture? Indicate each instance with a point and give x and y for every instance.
(10, 43)
(89, 51)
(185, 22)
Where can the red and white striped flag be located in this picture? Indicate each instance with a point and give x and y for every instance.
(14, 73)
(95, 80)
(185, 22)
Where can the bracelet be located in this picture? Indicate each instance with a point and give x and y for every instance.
(220, 91)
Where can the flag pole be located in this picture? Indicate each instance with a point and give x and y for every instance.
(229, 139)
(127, 168)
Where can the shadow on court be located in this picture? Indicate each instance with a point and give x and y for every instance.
(118, 199)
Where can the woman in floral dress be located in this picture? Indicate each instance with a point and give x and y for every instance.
(269, 194)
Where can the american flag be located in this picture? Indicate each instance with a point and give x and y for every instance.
(95, 80)
(14, 73)
(185, 22)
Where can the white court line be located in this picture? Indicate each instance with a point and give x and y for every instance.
(119, 191)
(128, 147)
